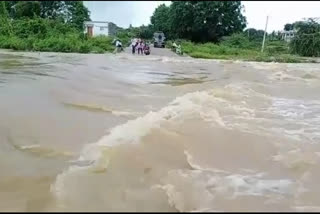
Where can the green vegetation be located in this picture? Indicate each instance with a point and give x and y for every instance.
(206, 29)
(55, 26)
(48, 35)
(307, 40)
(214, 30)
(199, 21)
(238, 47)
(70, 12)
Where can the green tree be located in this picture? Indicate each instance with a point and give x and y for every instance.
(3, 10)
(5, 25)
(254, 34)
(77, 13)
(274, 36)
(160, 19)
(10, 7)
(53, 9)
(146, 32)
(28, 9)
(309, 26)
(181, 19)
(307, 40)
(73, 12)
(288, 27)
(203, 21)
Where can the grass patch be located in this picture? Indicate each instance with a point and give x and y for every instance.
(53, 36)
(63, 43)
(273, 53)
(239, 47)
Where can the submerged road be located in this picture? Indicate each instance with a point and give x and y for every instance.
(156, 52)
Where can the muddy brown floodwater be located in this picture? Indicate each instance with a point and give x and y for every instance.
(157, 133)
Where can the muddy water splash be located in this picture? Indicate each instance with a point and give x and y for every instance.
(129, 133)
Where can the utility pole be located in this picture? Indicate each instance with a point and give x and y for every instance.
(264, 35)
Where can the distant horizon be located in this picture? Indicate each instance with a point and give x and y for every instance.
(279, 12)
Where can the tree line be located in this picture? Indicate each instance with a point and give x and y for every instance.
(199, 21)
(196, 21)
(69, 12)
(54, 26)
(212, 21)
(307, 39)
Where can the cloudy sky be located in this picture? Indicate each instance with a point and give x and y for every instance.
(124, 13)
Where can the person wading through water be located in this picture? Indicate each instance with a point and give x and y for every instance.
(134, 44)
(140, 47)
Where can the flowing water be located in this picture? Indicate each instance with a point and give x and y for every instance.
(157, 133)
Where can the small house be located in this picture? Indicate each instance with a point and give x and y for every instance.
(97, 28)
(288, 35)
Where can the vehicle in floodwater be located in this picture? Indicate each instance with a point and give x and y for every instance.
(159, 39)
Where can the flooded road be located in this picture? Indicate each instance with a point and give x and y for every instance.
(157, 133)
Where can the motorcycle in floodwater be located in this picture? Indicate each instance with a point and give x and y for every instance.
(146, 51)
(179, 51)
(119, 47)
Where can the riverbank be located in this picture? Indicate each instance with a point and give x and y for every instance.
(71, 43)
(47, 35)
(225, 52)
(76, 43)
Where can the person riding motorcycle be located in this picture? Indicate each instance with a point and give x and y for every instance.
(177, 48)
(119, 47)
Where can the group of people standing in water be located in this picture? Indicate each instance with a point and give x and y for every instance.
(141, 46)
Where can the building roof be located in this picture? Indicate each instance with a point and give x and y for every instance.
(96, 22)
(289, 31)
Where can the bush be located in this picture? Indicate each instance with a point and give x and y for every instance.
(239, 41)
(306, 45)
(207, 56)
(276, 47)
(84, 48)
(51, 35)
(30, 27)
(5, 26)
(97, 50)
(307, 40)
(14, 43)
(102, 42)
(223, 51)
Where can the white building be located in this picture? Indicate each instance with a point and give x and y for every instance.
(288, 35)
(96, 28)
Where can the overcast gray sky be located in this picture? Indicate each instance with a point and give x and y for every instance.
(124, 13)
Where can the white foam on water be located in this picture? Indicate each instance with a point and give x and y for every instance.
(307, 208)
(132, 131)
(58, 188)
(295, 119)
(230, 108)
(297, 112)
(191, 190)
(252, 185)
(30, 146)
